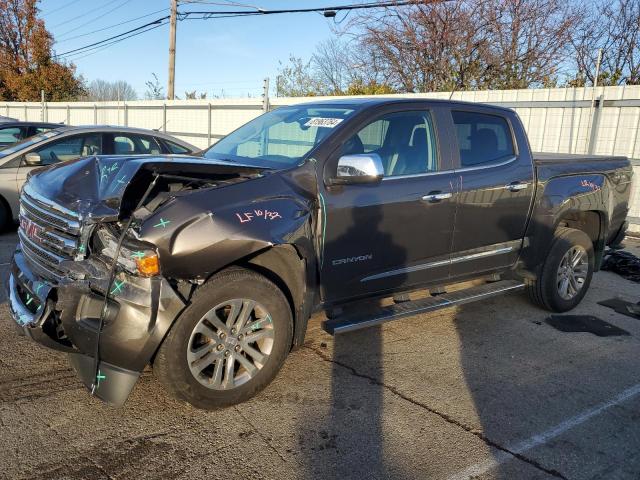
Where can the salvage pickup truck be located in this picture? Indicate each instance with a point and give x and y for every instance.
(208, 268)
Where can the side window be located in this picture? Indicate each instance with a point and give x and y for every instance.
(482, 138)
(126, 144)
(177, 149)
(38, 130)
(405, 141)
(10, 135)
(69, 148)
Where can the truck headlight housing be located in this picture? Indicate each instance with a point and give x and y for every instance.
(135, 257)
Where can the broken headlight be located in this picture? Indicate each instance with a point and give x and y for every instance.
(134, 257)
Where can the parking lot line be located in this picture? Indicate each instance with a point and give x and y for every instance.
(511, 451)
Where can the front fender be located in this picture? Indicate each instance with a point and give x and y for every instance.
(200, 233)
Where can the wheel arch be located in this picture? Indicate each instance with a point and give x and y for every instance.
(292, 269)
(591, 222)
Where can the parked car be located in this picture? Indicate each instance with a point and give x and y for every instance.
(209, 268)
(67, 143)
(13, 132)
(4, 119)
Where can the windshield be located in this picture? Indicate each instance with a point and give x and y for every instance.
(27, 142)
(281, 138)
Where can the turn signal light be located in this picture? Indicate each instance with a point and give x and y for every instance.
(148, 266)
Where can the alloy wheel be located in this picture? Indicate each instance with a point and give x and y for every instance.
(230, 344)
(572, 272)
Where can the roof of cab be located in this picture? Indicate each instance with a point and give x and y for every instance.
(365, 102)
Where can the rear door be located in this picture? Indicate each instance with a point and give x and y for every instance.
(387, 236)
(496, 191)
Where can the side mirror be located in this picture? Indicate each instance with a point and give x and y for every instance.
(32, 159)
(359, 168)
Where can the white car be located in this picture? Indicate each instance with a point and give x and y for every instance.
(69, 143)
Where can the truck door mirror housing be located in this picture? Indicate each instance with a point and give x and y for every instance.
(359, 168)
(32, 159)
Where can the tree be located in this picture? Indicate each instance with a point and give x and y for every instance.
(104, 91)
(26, 62)
(296, 79)
(154, 89)
(615, 28)
(193, 95)
(466, 44)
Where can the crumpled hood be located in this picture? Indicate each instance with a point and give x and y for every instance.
(93, 187)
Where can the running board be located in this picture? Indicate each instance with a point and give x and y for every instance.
(356, 321)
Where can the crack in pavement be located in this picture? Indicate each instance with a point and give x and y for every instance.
(447, 418)
(264, 439)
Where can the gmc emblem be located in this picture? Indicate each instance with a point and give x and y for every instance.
(31, 229)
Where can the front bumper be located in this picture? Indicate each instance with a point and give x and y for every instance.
(66, 317)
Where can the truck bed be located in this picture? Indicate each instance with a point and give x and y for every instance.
(544, 158)
(549, 165)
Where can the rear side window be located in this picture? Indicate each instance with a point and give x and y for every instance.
(482, 138)
(175, 148)
(126, 144)
(9, 136)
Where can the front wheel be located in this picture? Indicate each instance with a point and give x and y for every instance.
(229, 343)
(565, 275)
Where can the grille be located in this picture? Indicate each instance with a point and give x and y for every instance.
(48, 235)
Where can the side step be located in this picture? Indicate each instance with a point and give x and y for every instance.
(356, 321)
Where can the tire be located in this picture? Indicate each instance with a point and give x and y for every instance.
(6, 221)
(548, 289)
(179, 360)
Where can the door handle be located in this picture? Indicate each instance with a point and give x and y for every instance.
(436, 196)
(516, 186)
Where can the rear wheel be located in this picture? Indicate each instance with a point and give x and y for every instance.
(229, 343)
(565, 275)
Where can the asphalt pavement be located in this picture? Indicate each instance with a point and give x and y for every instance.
(487, 390)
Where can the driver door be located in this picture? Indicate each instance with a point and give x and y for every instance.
(393, 234)
(61, 150)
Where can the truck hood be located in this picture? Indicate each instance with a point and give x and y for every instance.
(95, 188)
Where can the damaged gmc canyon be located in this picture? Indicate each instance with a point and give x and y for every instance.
(208, 268)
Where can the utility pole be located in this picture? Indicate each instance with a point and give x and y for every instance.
(172, 50)
(589, 140)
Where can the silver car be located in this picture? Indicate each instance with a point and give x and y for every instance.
(68, 143)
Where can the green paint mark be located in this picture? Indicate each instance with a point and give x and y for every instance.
(29, 299)
(39, 308)
(163, 223)
(81, 249)
(137, 254)
(122, 179)
(100, 376)
(324, 228)
(40, 285)
(117, 287)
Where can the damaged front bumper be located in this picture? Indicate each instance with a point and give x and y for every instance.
(65, 316)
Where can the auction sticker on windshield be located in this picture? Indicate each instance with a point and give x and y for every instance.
(323, 122)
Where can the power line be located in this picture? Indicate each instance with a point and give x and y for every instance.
(61, 8)
(107, 28)
(84, 14)
(206, 15)
(98, 49)
(89, 21)
(121, 36)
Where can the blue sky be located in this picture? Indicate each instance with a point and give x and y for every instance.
(233, 54)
